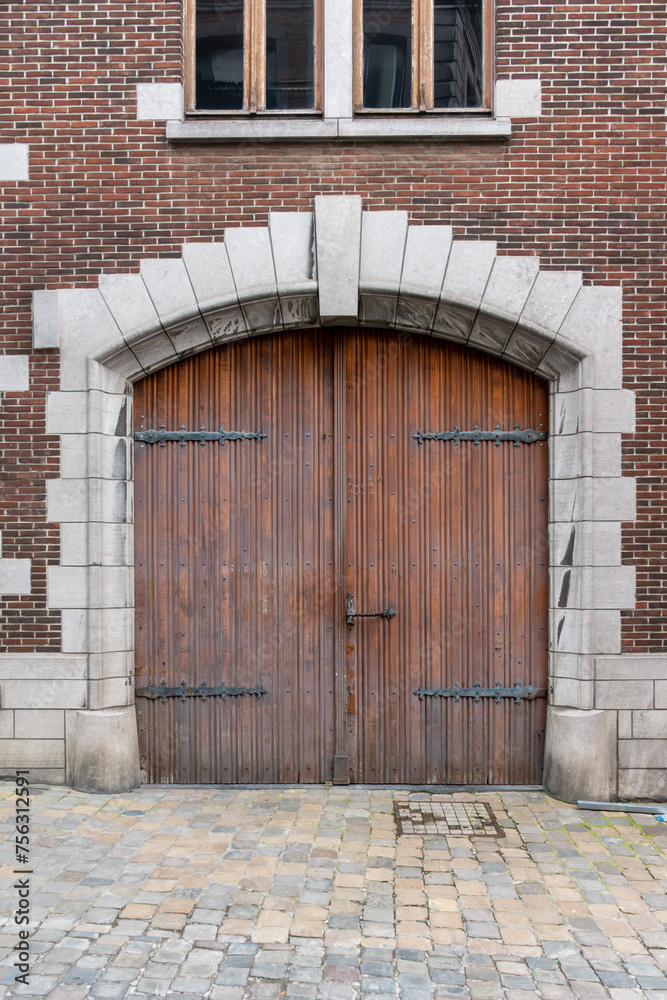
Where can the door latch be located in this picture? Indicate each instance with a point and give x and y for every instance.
(351, 614)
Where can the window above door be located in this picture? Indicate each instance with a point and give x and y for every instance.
(288, 58)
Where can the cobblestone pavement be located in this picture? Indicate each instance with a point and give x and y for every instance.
(308, 892)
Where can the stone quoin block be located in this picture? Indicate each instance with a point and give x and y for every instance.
(519, 97)
(159, 101)
(14, 373)
(47, 693)
(15, 576)
(14, 162)
(631, 667)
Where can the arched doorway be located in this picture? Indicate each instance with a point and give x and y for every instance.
(254, 557)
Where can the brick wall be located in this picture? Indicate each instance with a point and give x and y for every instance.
(583, 187)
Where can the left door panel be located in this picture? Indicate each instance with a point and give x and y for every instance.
(235, 566)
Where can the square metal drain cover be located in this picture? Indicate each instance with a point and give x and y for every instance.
(448, 819)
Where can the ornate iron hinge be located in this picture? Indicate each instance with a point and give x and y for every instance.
(527, 692)
(518, 436)
(351, 614)
(161, 692)
(202, 436)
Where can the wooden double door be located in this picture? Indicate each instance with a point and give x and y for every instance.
(256, 554)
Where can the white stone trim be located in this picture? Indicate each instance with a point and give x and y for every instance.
(519, 97)
(459, 127)
(14, 373)
(159, 101)
(14, 162)
(339, 265)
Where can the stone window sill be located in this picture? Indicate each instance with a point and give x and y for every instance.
(322, 129)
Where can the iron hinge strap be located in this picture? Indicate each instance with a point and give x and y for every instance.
(161, 692)
(518, 692)
(202, 436)
(518, 436)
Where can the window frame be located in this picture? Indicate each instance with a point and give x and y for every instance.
(254, 65)
(422, 63)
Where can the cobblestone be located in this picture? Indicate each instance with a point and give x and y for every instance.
(237, 894)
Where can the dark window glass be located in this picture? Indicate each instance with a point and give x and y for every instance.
(219, 72)
(387, 53)
(457, 54)
(290, 55)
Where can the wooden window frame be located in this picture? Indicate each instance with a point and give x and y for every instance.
(422, 62)
(254, 63)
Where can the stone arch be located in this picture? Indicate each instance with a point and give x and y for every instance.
(339, 266)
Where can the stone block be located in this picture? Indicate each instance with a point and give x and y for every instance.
(74, 625)
(41, 666)
(102, 666)
(550, 300)
(152, 351)
(14, 373)
(429, 127)
(383, 238)
(453, 322)
(6, 724)
(190, 336)
(170, 289)
(110, 692)
(639, 783)
(67, 413)
(73, 545)
(111, 629)
(338, 59)
(625, 724)
(338, 242)
(623, 694)
(427, 251)
(526, 348)
(576, 665)
(67, 586)
(210, 273)
(159, 101)
(509, 285)
(661, 694)
(609, 587)
(468, 269)
(594, 323)
(519, 97)
(586, 631)
(43, 694)
(45, 320)
(293, 242)
(39, 724)
(111, 587)
(614, 411)
(642, 754)
(130, 304)
(87, 328)
(585, 455)
(103, 750)
(32, 753)
(15, 576)
(226, 324)
(580, 754)
(251, 261)
(110, 500)
(566, 692)
(14, 162)
(649, 725)
(631, 667)
(490, 334)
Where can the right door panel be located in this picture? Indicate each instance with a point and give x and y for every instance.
(453, 537)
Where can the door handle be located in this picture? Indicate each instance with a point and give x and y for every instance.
(351, 614)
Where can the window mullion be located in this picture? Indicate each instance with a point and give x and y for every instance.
(416, 52)
(426, 88)
(249, 71)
